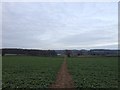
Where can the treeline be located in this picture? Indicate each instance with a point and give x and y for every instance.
(30, 52)
(91, 52)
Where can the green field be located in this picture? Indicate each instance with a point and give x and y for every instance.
(94, 72)
(40, 72)
(28, 71)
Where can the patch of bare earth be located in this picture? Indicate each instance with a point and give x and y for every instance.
(63, 79)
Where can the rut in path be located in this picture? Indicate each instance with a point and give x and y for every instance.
(63, 79)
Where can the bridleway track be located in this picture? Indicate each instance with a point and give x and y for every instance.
(63, 79)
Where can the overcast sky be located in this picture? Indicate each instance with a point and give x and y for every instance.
(60, 25)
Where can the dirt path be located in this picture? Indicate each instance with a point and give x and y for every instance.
(63, 79)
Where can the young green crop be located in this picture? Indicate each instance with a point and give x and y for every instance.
(94, 72)
(29, 71)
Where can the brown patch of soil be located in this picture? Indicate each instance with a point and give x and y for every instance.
(63, 79)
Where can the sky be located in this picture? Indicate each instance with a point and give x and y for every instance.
(60, 25)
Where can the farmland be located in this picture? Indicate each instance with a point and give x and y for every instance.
(29, 71)
(94, 72)
(41, 72)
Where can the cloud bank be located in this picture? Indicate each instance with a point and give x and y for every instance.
(60, 25)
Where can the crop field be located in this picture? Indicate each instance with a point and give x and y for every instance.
(94, 72)
(41, 72)
(29, 71)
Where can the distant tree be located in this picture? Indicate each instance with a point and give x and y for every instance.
(68, 53)
(3, 54)
(78, 54)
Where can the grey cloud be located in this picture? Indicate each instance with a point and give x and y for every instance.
(60, 25)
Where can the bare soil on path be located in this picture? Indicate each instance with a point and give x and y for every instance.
(63, 79)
